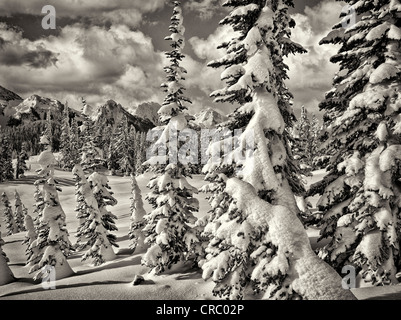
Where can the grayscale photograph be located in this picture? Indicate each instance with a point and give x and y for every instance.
(214, 151)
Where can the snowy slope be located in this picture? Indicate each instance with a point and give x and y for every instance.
(113, 280)
(8, 100)
(36, 107)
(7, 95)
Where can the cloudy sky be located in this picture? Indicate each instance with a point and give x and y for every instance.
(114, 49)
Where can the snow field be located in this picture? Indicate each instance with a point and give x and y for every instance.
(113, 280)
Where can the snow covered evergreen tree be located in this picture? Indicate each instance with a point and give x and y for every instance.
(104, 197)
(75, 143)
(168, 228)
(21, 166)
(244, 255)
(31, 234)
(6, 276)
(93, 162)
(33, 251)
(92, 155)
(92, 234)
(140, 152)
(6, 165)
(11, 226)
(361, 193)
(48, 132)
(38, 205)
(137, 216)
(134, 149)
(52, 246)
(66, 140)
(112, 158)
(18, 212)
(81, 209)
(123, 146)
(319, 158)
(303, 147)
(106, 139)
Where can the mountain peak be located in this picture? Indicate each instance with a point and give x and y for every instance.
(112, 113)
(209, 118)
(7, 95)
(147, 110)
(36, 107)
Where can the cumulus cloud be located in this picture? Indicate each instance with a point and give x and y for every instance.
(206, 9)
(206, 49)
(311, 74)
(74, 7)
(86, 59)
(114, 63)
(15, 50)
(324, 15)
(99, 11)
(207, 79)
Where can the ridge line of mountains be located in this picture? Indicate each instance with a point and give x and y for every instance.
(14, 111)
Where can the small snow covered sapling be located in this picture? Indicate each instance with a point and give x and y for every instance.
(6, 165)
(168, 227)
(123, 146)
(81, 208)
(140, 152)
(6, 276)
(92, 234)
(21, 165)
(137, 216)
(11, 225)
(19, 212)
(303, 142)
(30, 237)
(68, 147)
(104, 197)
(52, 245)
(92, 158)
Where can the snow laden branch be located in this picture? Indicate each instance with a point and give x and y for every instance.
(290, 255)
(361, 194)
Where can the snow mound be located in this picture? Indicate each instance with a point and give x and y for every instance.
(383, 72)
